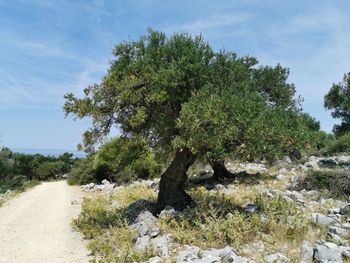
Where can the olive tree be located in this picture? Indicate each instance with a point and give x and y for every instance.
(188, 101)
(338, 100)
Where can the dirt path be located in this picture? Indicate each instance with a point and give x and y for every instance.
(35, 227)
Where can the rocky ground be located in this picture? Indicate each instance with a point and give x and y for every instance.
(327, 215)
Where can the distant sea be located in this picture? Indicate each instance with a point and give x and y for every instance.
(46, 152)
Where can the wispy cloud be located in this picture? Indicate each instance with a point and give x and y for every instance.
(204, 24)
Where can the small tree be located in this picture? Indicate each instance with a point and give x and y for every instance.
(338, 100)
(125, 159)
(188, 101)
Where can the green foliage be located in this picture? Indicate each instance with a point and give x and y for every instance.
(338, 100)
(82, 172)
(341, 183)
(50, 170)
(336, 181)
(240, 123)
(217, 221)
(18, 170)
(121, 160)
(111, 238)
(177, 92)
(340, 145)
(126, 159)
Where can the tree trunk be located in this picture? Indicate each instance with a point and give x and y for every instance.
(220, 171)
(171, 186)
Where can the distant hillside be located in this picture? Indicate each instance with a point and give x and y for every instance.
(53, 152)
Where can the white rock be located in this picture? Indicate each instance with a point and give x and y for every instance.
(275, 258)
(280, 177)
(306, 252)
(327, 252)
(322, 219)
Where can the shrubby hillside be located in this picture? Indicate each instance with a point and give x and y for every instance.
(18, 170)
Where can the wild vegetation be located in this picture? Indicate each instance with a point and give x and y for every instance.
(120, 160)
(188, 102)
(181, 106)
(19, 171)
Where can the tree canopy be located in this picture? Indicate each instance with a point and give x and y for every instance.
(188, 101)
(338, 100)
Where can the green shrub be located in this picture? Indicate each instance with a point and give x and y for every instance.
(340, 145)
(337, 181)
(82, 172)
(111, 238)
(125, 159)
(341, 183)
(50, 170)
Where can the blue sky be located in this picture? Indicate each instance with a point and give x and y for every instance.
(49, 48)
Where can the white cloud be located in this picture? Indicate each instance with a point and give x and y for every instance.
(214, 22)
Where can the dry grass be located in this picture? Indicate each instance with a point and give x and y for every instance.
(217, 220)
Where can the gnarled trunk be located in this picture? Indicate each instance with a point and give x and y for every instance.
(171, 186)
(220, 171)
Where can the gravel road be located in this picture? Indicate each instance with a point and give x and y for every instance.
(35, 226)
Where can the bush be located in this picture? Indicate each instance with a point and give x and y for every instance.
(50, 170)
(339, 145)
(341, 183)
(337, 181)
(82, 172)
(111, 238)
(121, 160)
(125, 159)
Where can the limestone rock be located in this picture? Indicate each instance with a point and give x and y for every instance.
(306, 252)
(322, 219)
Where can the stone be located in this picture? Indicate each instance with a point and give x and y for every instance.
(154, 232)
(142, 243)
(338, 231)
(88, 186)
(250, 208)
(168, 213)
(287, 159)
(327, 252)
(345, 209)
(105, 186)
(346, 226)
(145, 224)
(189, 254)
(195, 255)
(275, 258)
(345, 251)
(295, 181)
(155, 260)
(137, 207)
(105, 182)
(334, 238)
(313, 162)
(219, 187)
(322, 219)
(280, 177)
(306, 252)
(334, 210)
(161, 245)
